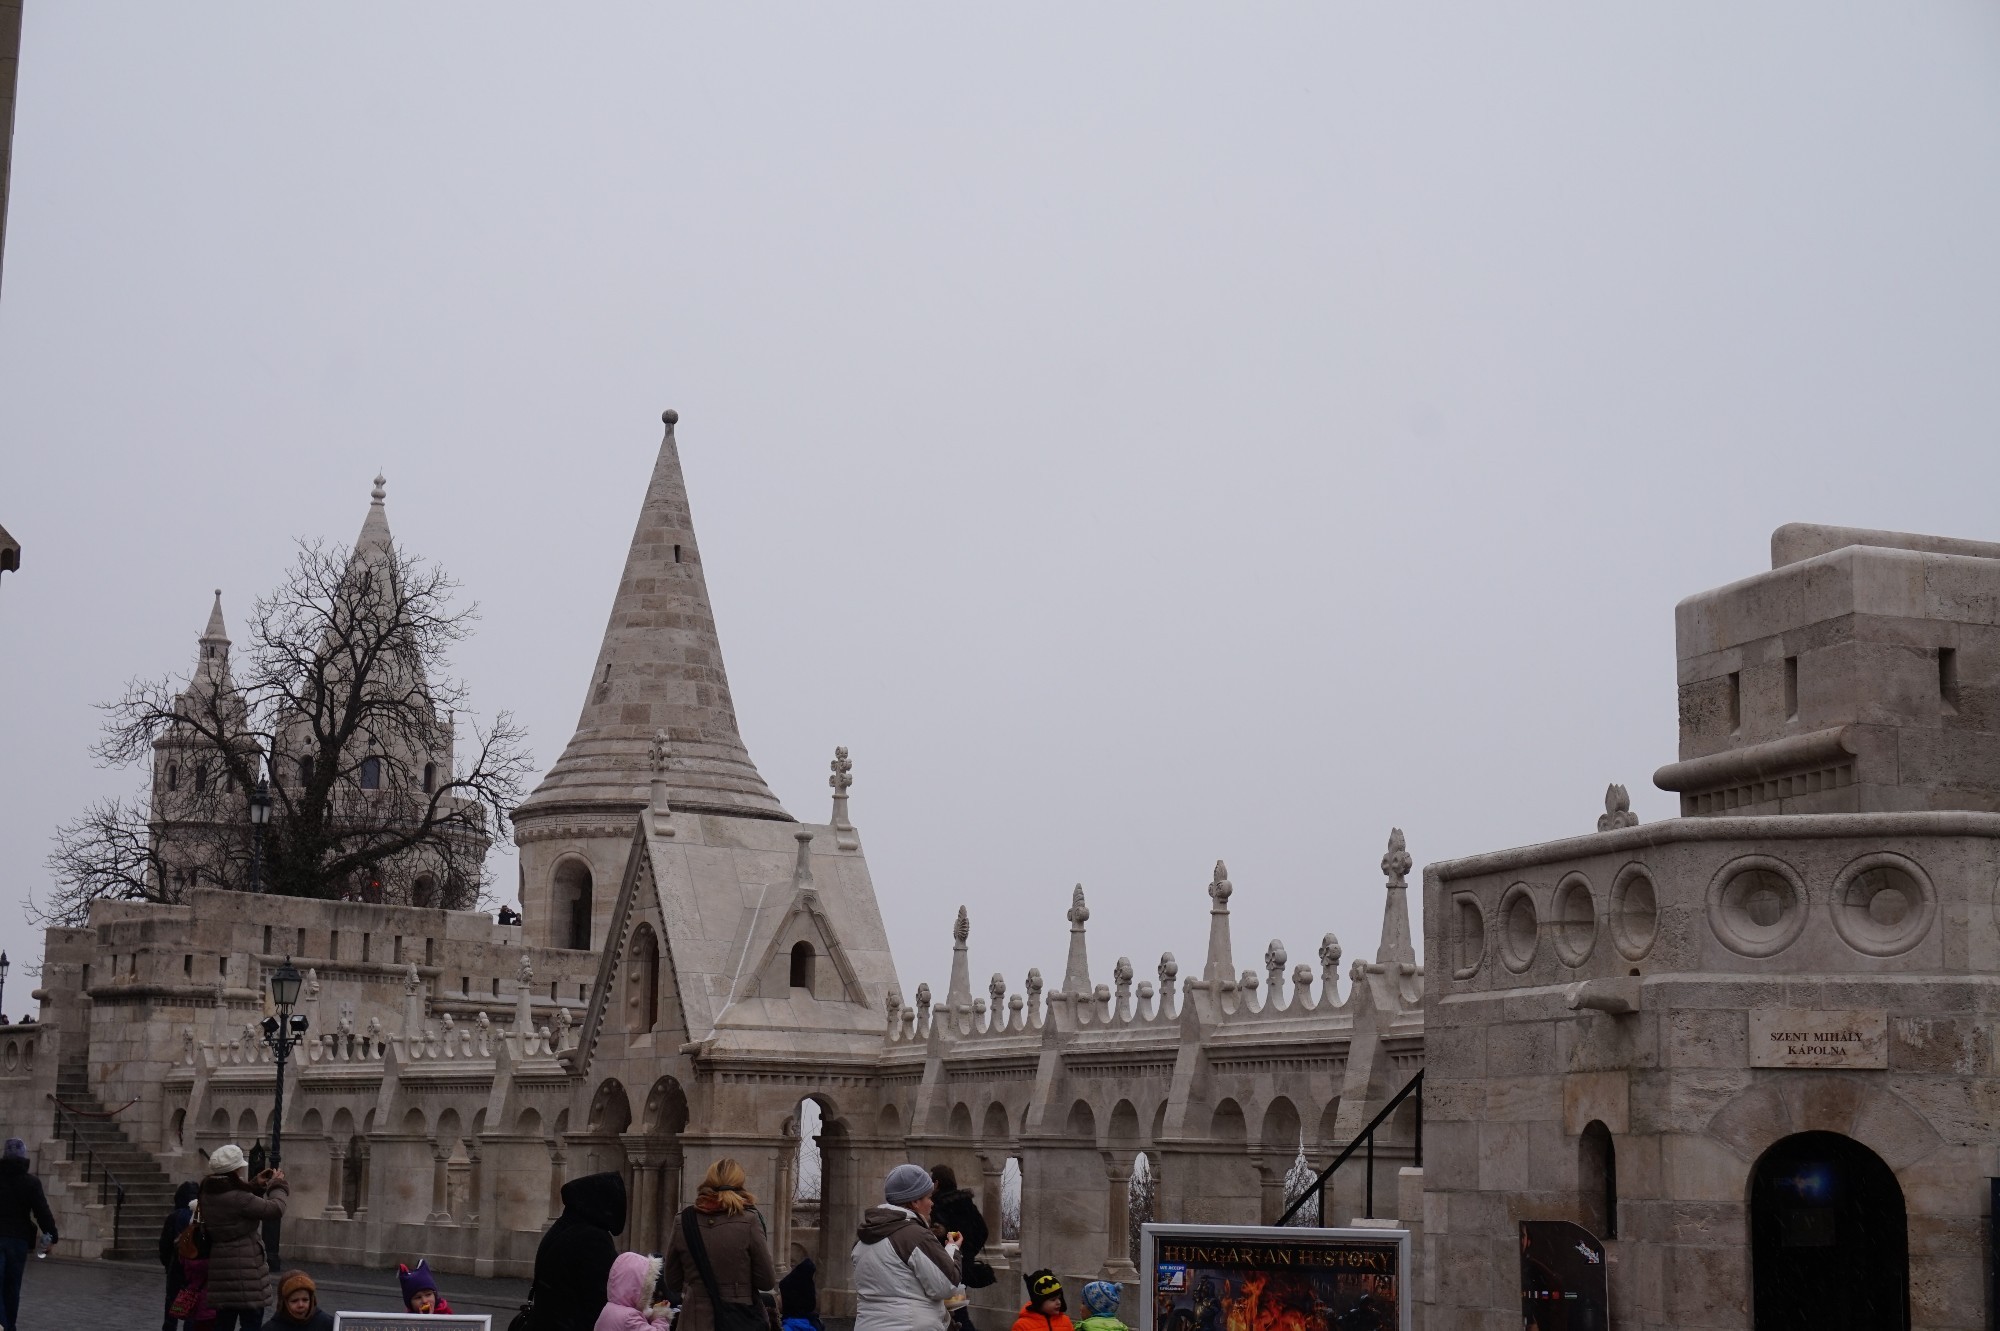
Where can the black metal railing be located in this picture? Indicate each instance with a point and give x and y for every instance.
(1366, 1140)
(110, 1188)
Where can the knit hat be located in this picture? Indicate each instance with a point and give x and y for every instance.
(295, 1281)
(412, 1281)
(907, 1183)
(16, 1149)
(227, 1160)
(1101, 1297)
(1044, 1285)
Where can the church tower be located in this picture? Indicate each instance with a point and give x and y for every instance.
(190, 807)
(659, 669)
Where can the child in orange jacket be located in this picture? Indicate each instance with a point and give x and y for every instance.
(1047, 1309)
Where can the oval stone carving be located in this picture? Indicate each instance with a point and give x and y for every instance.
(1757, 905)
(1574, 920)
(1520, 928)
(1635, 912)
(1883, 904)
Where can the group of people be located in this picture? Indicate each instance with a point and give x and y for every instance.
(916, 1258)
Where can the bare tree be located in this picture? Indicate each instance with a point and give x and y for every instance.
(344, 700)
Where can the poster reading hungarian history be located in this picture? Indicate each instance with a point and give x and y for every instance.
(1264, 1278)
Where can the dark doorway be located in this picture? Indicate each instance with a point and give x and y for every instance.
(1829, 1242)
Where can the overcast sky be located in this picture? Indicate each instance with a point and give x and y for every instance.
(1143, 433)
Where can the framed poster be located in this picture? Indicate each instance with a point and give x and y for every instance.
(1565, 1283)
(1271, 1278)
(412, 1322)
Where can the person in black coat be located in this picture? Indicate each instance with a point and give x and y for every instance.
(952, 1209)
(573, 1263)
(24, 1214)
(170, 1257)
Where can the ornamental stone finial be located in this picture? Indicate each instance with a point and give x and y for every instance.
(1396, 863)
(997, 987)
(1219, 888)
(411, 980)
(660, 752)
(524, 971)
(1122, 973)
(1169, 968)
(1617, 809)
(1034, 981)
(378, 494)
(924, 995)
(1078, 911)
(312, 983)
(843, 771)
(961, 928)
(893, 1001)
(1329, 954)
(1274, 964)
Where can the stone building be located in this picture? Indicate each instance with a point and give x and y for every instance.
(1753, 1046)
(698, 973)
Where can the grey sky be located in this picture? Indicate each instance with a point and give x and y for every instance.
(1142, 433)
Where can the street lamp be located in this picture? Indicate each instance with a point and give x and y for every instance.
(282, 1031)
(3, 982)
(260, 813)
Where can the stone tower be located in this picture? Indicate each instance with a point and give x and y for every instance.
(659, 669)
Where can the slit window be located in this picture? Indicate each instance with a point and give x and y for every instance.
(802, 965)
(1791, 688)
(1735, 701)
(430, 777)
(1948, 679)
(371, 771)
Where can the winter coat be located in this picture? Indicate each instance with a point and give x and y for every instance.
(737, 1250)
(1102, 1324)
(955, 1211)
(902, 1274)
(233, 1215)
(24, 1209)
(1033, 1319)
(194, 1275)
(319, 1319)
(573, 1263)
(177, 1220)
(629, 1292)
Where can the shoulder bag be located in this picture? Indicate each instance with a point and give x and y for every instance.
(728, 1316)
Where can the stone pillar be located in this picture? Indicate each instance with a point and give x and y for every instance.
(362, 1189)
(475, 1178)
(1117, 1220)
(336, 1180)
(644, 1233)
(781, 1204)
(557, 1158)
(670, 1188)
(440, 1182)
(1271, 1190)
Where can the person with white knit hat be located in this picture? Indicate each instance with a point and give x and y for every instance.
(234, 1207)
(902, 1274)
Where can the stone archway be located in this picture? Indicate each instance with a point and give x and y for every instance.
(1829, 1238)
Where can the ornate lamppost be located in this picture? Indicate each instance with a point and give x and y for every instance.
(260, 814)
(3, 982)
(282, 1031)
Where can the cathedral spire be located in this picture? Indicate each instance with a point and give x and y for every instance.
(659, 668)
(212, 662)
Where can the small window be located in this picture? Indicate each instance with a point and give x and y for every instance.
(430, 952)
(580, 994)
(465, 985)
(423, 892)
(333, 945)
(222, 967)
(677, 554)
(200, 778)
(1597, 1181)
(371, 771)
(496, 986)
(1948, 680)
(1735, 701)
(267, 940)
(300, 950)
(1791, 688)
(396, 952)
(366, 939)
(305, 771)
(173, 776)
(187, 965)
(802, 965)
(430, 777)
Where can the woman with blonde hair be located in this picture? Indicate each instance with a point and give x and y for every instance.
(718, 1261)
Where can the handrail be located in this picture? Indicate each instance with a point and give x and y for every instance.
(1367, 1135)
(94, 1113)
(108, 1183)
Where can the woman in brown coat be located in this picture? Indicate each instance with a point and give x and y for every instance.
(233, 1212)
(732, 1232)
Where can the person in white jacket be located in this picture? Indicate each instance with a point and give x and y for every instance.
(902, 1274)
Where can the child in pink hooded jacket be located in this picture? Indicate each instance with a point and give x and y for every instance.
(628, 1295)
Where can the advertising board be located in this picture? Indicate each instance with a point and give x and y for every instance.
(1267, 1278)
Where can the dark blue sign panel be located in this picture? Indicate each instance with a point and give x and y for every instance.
(1565, 1285)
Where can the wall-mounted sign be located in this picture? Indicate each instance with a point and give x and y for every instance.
(1804, 1038)
(1267, 1278)
(412, 1322)
(1565, 1284)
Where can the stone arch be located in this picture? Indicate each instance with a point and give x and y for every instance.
(1226, 1124)
(570, 898)
(959, 1123)
(177, 1130)
(246, 1127)
(448, 1129)
(1159, 1122)
(1752, 1120)
(529, 1124)
(218, 1123)
(1829, 1236)
(1123, 1132)
(888, 1122)
(1082, 1123)
(1597, 1180)
(1329, 1124)
(1280, 1135)
(414, 1123)
(610, 1108)
(310, 1124)
(666, 1108)
(642, 980)
(993, 1125)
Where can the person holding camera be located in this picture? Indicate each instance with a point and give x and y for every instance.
(234, 1207)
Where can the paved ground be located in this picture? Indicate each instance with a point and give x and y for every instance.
(59, 1293)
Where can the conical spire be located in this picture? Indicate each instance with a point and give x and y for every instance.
(212, 661)
(1396, 945)
(659, 668)
(1076, 971)
(374, 536)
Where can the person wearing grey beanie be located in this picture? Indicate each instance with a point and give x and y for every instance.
(24, 1214)
(902, 1274)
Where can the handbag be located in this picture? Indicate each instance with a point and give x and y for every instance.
(526, 1316)
(728, 1316)
(193, 1240)
(184, 1303)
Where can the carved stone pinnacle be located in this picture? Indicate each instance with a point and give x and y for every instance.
(843, 770)
(1219, 888)
(961, 928)
(1396, 864)
(1078, 912)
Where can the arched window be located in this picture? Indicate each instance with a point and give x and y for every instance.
(423, 892)
(571, 898)
(430, 777)
(802, 965)
(173, 776)
(1597, 1180)
(371, 773)
(645, 979)
(305, 771)
(200, 778)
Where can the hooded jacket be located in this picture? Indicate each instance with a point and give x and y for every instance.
(902, 1274)
(573, 1263)
(177, 1220)
(233, 1214)
(629, 1292)
(316, 1318)
(24, 1209)
(953, 1209)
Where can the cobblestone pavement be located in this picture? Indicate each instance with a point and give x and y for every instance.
(75, 1294)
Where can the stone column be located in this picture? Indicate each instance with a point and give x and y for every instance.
(440, 1181)
(1117, 1220)
(474, 1177)
(670, 1188)
(992, 1168)
(557, 1158)
(1271, 1190)
(336, 1181)
(781, 1205)
(362, 1189)
(645, 1204)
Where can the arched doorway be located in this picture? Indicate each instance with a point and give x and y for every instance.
(1829, 1240)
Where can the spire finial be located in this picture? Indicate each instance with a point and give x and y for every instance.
(1617, 809)
(1219, 888)
(379, 493)
(961, 929)
(670, 418)
(1396, 863)
(802, 874)
(1078, 911)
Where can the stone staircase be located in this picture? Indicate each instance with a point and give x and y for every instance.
(105, 1157)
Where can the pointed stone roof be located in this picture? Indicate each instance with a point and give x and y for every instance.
(213, 660)
(659, 668)
(374, 538)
